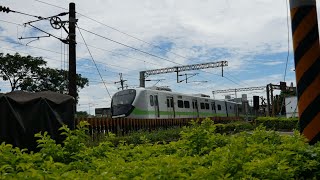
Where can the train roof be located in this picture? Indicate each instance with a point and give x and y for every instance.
(141, 89)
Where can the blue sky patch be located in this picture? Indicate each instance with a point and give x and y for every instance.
(162, 46)
(211, 54)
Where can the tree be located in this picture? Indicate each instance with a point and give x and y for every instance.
(52, 80)
(31, 74)
(16, 68)
(82, 114)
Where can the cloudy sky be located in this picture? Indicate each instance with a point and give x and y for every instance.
(251, 35)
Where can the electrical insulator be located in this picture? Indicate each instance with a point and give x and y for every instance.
(4, 9)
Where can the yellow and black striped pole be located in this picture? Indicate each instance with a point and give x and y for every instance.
(307, 64)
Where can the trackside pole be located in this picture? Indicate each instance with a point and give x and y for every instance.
(305, 37)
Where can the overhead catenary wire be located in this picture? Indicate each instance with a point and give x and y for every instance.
(79, 57)
(133, 48)
(144, 52)
(288, 41)
(64, 62)
(56, 59)
(94, 61)
(136, 49)
(173, 80)
(48, 50)
(11, 22)
(116, 29)
(129, 35)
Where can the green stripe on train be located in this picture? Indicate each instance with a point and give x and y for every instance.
(137, 111)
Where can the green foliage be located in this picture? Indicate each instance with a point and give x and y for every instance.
(233, 127)
(200, 153)
(31, 74)
(278, 123)
(82, 114)
(139, 137)
(17, 69)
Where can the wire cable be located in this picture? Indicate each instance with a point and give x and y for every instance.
(288, 52)
(136, 49)
(122, 32)
(51, 4)
(115, 29)
(144, 51)
(94, 62)
(10, 22)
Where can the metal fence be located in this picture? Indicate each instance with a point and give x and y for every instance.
(123, 126)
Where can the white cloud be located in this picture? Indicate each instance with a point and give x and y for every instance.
(240, 30)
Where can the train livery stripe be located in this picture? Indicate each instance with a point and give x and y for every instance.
(138, 111)
(307, 63)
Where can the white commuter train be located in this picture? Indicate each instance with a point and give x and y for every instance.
(143, 103)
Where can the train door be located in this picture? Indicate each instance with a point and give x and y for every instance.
(227, 112)
(170, 107)
(156, 106)
(195, 108)
(213, 108)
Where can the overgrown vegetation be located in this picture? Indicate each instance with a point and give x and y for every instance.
(278, 123)
(200, 153)
(164, 135)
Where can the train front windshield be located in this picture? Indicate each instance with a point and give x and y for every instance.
(122, 102)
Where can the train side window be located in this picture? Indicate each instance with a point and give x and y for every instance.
(207, 105)
(168, 103)
(171, 102)
(180, 103)
(192, 105)
(202, 106)
(230, 107)
(156, 100)
(219, 107)
(151, 100)
(186, 104)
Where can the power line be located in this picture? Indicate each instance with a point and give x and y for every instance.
(236, 78)
(51, 4)
(86, 58)
(94, 62)
(118, 53)
(115, 29)
(142, 51)
(285, 70)
(41, 18)
(126, 35)
(136, 49)
(83, 58)
(10, 22)
(57, 61)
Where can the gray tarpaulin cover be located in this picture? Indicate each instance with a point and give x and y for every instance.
(23, 114)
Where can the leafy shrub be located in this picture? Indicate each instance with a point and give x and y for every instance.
(200, 153)
(233, 127)
(278, 123)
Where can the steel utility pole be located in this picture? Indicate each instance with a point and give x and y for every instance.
(121, 81)
(72, 51)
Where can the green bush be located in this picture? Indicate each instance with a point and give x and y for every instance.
(166, 135)
(276, 123)
(233, 127)
(139, 137)
(200, 153)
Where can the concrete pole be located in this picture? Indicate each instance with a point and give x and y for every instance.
(305, 37)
